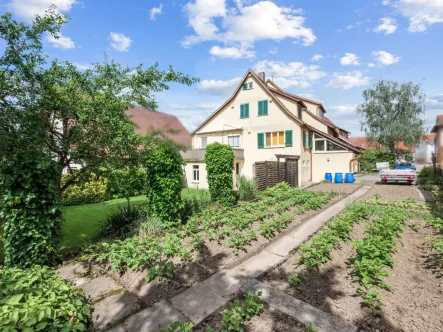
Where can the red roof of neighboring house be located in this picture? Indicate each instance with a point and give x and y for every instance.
(364, 143)
(148, 121)
(430, 137)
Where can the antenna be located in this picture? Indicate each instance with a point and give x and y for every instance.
(272, 76)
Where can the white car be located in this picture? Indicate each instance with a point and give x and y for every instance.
(398, 175)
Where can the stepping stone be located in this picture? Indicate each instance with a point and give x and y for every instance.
(160, 316)
(225, 282)
(99, 287)
(258, 264)
(113, 309)
(198, 302)
(69, 272)
(301, 311)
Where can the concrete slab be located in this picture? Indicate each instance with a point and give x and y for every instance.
(225, 282)
(99, 287)
(112, 309)
(159, 316)
(117, 329)
(258, 264)
(198, 302)
(301, 311)
(69, 272)
(283, 246)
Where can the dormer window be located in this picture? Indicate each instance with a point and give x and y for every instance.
(320, 113)
(247, 86)
(299, 111)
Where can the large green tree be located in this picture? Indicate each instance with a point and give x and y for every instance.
(392, 113)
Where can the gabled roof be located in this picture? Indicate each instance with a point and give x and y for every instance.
(335, 140)
(264, 87)
(148, 121)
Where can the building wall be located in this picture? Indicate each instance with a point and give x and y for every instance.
(229, 117)
(334, 162)
(203, 182)
(423, 153)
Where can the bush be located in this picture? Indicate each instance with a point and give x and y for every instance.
(149, 226)
(369, 158)
(193, 205)
(247, 188)
(36, 299)
(2, 252)
(429, 172)
(123, 222)
(124, 182)
(87, 190)
(219, 159)
(164, 178)
(29, 209)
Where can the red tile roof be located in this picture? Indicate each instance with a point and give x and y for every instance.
(148, 121)
(364, 143)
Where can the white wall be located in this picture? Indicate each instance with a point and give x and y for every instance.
(203, 182)
(333, 162)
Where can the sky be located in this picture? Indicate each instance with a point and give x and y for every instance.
(329, 51)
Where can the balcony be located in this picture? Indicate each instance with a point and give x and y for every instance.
(198, 155)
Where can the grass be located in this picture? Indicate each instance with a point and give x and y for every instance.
(82, 223)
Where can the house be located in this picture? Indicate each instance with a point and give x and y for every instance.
(267, 126)
(425, 150)
(438, 131)
(148, 121)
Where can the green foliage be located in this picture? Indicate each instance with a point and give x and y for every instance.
(311, 328)
(296, 277)
(247, 188)
(84, 190)
(369, 157)
(193, 205)
(219, 159)
(179, 327)
(29, 208)
(36, 299)
(123, 222)
(393, 113)
(164, 176)
(234, 317)
(124, 182)
(429, 172)
(2, 251)
(149, 226)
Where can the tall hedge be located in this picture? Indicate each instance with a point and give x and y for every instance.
(164, 176)
(29, 209)
(219, 159)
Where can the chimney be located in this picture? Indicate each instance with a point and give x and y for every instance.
(262, 76)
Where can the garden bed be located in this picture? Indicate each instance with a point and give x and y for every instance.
(413, 303)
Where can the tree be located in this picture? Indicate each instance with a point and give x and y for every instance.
(392, 114)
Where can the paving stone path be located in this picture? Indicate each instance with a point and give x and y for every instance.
(113, 306)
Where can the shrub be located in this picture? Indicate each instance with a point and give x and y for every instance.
(123, 221)
(29, 209)
(429, 172)
(149, 226)
(36, 299)
(164, 176)
(219, 159)
(247, 188)
(369, 158)
(2, 252)
(86, 190)
(124, 182)
(193, 205)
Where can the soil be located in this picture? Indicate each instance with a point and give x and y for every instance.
(270, 319)
(391, 191)
(341, 188)
(415, 302)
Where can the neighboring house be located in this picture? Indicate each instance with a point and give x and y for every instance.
(425, 150)
(438, 131)
(261, 122)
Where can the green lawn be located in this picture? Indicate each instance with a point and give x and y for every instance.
(83, 222)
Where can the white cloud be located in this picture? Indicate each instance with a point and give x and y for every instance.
(62, 42)
(385, 58)
(219, 87)
(350, 59)
(371, 65)
(285, 83)
(232, 52)
(353, 26)
(342, 110)
(348, 80)
(244, 25)
(195, 107)
(82, 67)
(156, 11)
(388, 25)
(120, 42)
(317, 57)
(435, 102)
(421, 13)
(273, 50)
(27, 9)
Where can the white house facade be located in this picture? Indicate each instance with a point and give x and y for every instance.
(261, 123)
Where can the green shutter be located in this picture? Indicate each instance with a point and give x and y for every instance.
(288, 138)
(246, 110)
(260, 108)
(265, 107)
(310, 140)
(260, 140)
(305, 144)
(242, 111)
(245, 86)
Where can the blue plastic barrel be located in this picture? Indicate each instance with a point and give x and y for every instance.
(338, 177)
(350, 178)
(328, 177)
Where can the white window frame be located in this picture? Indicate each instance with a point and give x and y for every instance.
(275, 133)
(234, 136)
(195, 173)
(204, 139)
(319, 138)
(250, 85)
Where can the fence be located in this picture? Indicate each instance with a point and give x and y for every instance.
(269, 173)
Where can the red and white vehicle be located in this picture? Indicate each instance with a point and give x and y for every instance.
(398, 175)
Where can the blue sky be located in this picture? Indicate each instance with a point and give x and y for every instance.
(325, 50)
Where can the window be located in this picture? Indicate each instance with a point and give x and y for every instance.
(234, 141)
(306, 139)
(204, 141)
(244, 111)
(299, 111)
(323, 145)
(195, 173)
(237, 169)
(275, 139)
(263, 107)
(247, 86)
(304, 164)
(320, 113)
